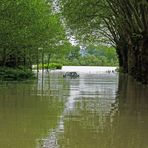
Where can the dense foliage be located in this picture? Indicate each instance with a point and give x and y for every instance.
(123, 23)
(29, 30)
(15, 74)
(33, 32)
(88, 56)
(50, 66)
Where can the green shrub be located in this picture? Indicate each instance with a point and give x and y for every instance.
(15, 74)
(51, 66)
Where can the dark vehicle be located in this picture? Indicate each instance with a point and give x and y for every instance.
(71, 75)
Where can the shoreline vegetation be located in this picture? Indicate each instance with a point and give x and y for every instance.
(91, 56)
(22, 74)
(15, 74)
(32, 34)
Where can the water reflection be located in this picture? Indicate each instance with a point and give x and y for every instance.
(88, 104)
(28, 112)
(100, 112)
(130, 124)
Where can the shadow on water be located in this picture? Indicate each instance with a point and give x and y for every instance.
(131, 120)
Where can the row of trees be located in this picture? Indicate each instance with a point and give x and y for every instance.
(28, 30)
(87, 56)
(103, 55)
(123, 23)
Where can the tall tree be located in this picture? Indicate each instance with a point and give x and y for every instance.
(28, 29)
(123, 22)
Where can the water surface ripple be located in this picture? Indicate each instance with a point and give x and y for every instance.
(100, 109)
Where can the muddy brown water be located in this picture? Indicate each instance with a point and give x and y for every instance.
(96, 110)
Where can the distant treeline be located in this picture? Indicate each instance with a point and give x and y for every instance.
(89, 56)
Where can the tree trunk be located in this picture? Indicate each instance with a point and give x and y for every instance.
(43, 59)
(138, 60)
(37, 61)
(49, 55)
(122, 52)
(4, 57)
(131, 60)
(144, 60)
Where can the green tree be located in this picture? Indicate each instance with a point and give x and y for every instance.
(28, 30)
(123, 23)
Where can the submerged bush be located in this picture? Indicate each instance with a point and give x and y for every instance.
(51, 66)
(15, 74)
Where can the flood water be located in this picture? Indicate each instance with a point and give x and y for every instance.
(100, 109)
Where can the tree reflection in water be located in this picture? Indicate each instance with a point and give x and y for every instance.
(101, 112)
(89, 112)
